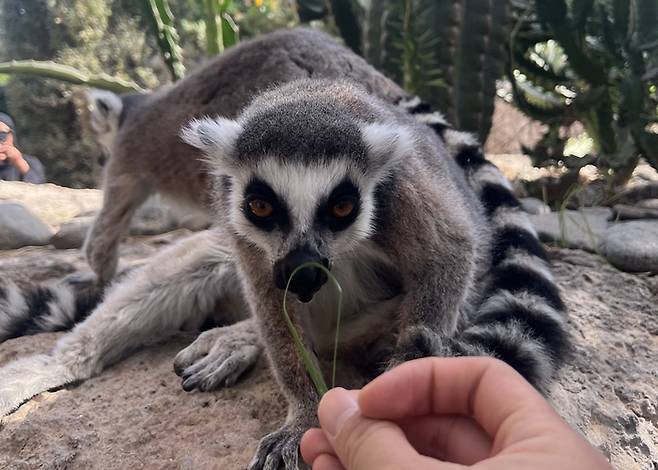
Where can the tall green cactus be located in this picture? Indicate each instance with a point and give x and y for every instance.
(167, 36)
(607, 79)
(449, 52)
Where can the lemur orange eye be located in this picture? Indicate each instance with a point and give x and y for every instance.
(342, 209)
(260, 208)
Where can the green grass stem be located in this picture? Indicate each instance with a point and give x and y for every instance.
(314, 373)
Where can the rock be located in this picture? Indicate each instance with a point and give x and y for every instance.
(136, 415)
(194, 220)
(52, 204)
(535, 206)
(624, 212)
(153, 218)
(648, 204)
(19, 227)
(632, 246)
(72, 234)
(573, 229)
(637, 193)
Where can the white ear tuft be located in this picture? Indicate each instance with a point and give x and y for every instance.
(387, 144)
(215, 137)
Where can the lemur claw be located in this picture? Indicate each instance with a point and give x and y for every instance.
(279, 450)
(217, 358)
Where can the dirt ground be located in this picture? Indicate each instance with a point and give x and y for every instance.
(135, 414)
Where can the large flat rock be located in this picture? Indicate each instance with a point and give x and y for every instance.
(135, 415)
(52, 204)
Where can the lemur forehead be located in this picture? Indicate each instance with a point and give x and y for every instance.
(303, 181)
(305, 131)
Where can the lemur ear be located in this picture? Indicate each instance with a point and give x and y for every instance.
(387, 144)
(105, 108)
(215, 138)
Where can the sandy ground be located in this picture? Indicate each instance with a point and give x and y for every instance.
(135, 414)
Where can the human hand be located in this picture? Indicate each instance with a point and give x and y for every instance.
(14, 156)
(445, 414)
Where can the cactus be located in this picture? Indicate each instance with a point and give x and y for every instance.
(167, 36)
(48, 69)
(450, 53)
(221, 30)
(606, 79)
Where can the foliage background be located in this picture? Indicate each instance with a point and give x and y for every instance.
(110, 36)
(583, 65)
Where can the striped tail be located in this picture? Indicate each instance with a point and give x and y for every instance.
(46, 307)
(521, 318)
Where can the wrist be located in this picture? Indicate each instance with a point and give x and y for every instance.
(22, 166)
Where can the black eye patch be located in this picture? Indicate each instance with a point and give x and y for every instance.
(259, 190)
(345, 194)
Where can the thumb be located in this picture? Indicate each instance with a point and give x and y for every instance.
(362, 443)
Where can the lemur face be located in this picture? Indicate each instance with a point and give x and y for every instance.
(296, 213)
(294, 201)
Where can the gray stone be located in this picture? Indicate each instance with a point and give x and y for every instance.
(573, 229)
(193, 221)
(19, 227)
(153, 218)
(625, 212)
(632, 246)
(607, 389)
(648, 204)
(72, 234)
(535, 206)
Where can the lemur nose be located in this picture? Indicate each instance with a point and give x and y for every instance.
(307, 281)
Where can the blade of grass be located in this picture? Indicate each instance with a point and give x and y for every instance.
(314, 373)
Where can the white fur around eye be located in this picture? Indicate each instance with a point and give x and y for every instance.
(387, 144)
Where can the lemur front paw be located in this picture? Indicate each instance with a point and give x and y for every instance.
(218, 357)
(414, 343)
(280, 449)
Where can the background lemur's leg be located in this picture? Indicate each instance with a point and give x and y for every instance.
(123, 194)
(179, 288)
(218, 357)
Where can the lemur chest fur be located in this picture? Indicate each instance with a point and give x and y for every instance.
(372, 291)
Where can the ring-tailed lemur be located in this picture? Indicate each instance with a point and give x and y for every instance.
(140, 131)
(432, 251)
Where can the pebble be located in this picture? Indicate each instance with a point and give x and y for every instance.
(72, 234)
(19, 227)
(625, 212)
(535, 206)
(632, 246)
(580, 229)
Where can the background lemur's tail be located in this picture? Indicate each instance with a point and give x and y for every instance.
(521, 318)
(56, 306)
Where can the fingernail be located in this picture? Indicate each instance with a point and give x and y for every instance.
(335, 408)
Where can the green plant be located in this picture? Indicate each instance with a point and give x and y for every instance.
(594, 62)
(221, 30)
(49, 69)
(167, 36)
(314, 373)
(450, 53)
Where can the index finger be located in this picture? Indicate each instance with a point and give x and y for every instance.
(486, 389)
